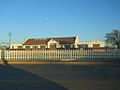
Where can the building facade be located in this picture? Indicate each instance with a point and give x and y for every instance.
(47, 43)
(57, 43)
(95, 44)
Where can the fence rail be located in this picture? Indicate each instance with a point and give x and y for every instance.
(62, 55)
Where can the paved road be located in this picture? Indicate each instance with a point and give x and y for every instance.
(60, 77)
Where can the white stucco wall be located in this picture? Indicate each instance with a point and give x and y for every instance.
(52, 41)
(15, 45)
(91, 43)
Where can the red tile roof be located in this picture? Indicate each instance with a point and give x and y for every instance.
(38, 41)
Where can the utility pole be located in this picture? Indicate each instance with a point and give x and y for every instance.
(9, 36)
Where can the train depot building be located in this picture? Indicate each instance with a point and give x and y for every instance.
(58, 43)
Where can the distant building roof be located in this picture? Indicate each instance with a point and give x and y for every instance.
(38, 41)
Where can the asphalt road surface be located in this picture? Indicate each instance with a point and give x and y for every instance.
(60, 77)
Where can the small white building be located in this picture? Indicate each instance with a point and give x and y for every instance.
(92, 44)
(16, 45)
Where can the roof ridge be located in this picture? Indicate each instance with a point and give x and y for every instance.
(51, 37)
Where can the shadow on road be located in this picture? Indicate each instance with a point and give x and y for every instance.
(12, 78)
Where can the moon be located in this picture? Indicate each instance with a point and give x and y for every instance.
(47, 18)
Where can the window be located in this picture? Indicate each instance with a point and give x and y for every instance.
(67, 46)
(27, 47)
(35, 47)
(12, 47)
(96, 45)
(42, 47)
(79, 46)
(83, 46)
(19, 47)
(53, 46)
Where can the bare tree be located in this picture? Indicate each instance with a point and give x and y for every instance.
(113, 38)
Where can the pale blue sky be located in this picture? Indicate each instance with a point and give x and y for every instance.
(90, 19)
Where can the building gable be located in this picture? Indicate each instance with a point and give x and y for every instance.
(52, 41)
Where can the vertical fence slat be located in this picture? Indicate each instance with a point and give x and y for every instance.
(53, 55)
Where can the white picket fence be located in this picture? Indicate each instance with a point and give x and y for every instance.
(63, 55)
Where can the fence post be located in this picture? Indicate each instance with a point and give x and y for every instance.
(3, 56)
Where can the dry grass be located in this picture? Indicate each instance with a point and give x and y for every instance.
(54, 62)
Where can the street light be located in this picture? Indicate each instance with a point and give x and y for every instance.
(9, 35)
